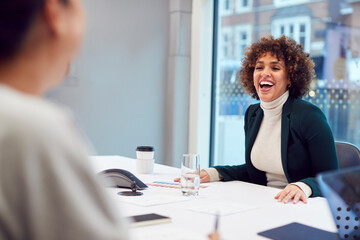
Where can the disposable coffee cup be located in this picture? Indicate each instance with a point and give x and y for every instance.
(145, 166)
(145, 159)
(145, 152)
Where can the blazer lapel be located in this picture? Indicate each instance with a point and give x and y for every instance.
(254, 123)
(253, 129)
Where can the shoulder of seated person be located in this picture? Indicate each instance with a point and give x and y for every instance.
(35, 118)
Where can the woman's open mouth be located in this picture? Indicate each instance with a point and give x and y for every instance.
(266, 85)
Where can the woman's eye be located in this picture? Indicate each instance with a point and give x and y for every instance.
(258, 68)
(276, 68)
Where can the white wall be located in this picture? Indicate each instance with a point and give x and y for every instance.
(178, 82)
(201, 73)
(117, 85)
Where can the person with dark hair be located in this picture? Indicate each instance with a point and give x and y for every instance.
(287, 140)
(47, 189)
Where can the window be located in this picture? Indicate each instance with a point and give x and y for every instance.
(302, 35)
(298, 28)
(242, 43)
(226, 7)
(243, 39)
(226, 43)
(291, 30)
(334, 48)
(243, 6)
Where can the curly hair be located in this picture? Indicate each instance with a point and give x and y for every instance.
(299, 66)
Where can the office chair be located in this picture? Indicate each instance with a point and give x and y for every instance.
(348, 155)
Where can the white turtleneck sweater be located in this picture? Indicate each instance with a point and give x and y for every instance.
(266, 151)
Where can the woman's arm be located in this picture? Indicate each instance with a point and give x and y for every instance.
(229, 173)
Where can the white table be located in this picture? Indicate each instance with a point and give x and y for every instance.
(261, 212)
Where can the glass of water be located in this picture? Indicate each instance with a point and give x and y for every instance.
(190, 174)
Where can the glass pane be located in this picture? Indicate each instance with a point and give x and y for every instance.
(242, 43)
(334, 47)
(302, 41)
(302, 28)
(291, 31)
(245, 3)
(227, 4)
(282, 30)
(243, 35)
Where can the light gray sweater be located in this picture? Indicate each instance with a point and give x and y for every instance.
(47, 188)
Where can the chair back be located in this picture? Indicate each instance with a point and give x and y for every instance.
(348, 155)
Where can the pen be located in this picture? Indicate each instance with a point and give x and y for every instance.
(216, 222)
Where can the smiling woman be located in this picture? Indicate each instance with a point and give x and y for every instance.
(287, 140)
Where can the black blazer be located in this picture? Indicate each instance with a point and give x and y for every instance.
(307, 145)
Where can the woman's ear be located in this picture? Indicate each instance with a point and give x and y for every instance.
(288, 79)
(55, 16)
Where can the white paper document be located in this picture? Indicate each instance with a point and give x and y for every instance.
(152, 200)
(167, 233)
(221, 208)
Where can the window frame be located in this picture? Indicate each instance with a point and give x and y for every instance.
(203, 40)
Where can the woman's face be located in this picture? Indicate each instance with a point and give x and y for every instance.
(270, 77)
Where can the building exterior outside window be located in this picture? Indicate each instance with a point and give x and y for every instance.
(298, 28)
(328, 29)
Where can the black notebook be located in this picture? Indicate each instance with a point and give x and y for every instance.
(148, 219)
(298, 231)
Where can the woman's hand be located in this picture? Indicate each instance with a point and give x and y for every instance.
(204, 177)
(291, 193)
(214, 236)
